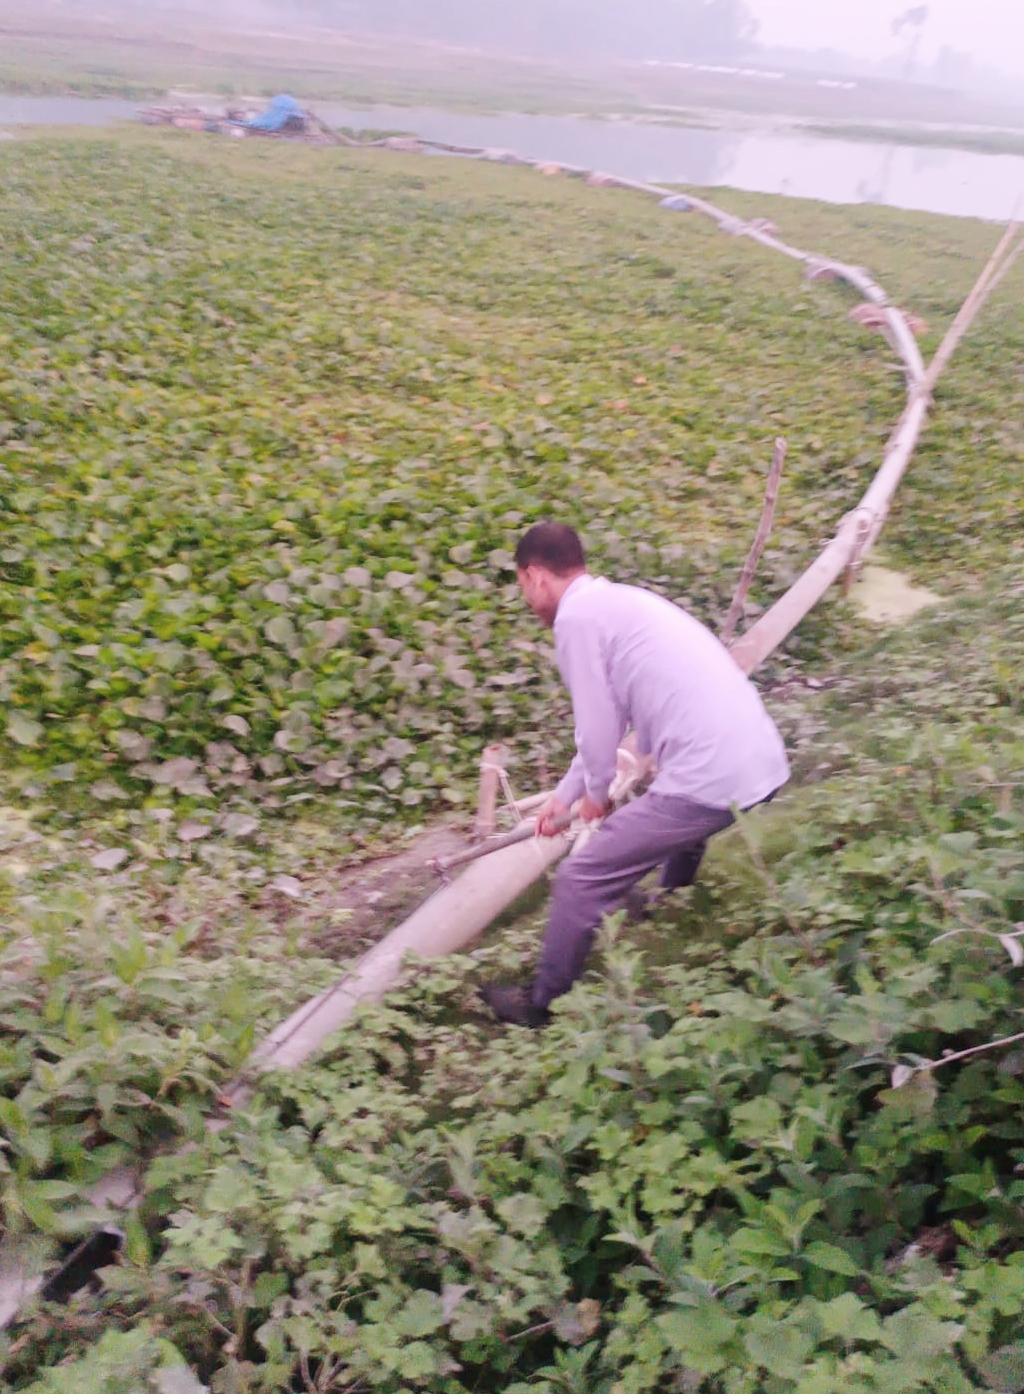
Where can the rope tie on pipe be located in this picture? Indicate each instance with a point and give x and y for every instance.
(864, 519)
(506, 786)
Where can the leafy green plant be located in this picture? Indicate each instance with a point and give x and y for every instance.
(265, 452)
(207, 587)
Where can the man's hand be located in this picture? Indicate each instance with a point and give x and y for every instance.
(591, 810)
(552, 817)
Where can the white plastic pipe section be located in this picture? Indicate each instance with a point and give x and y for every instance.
(454, 916)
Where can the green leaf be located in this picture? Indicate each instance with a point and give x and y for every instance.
(914, 1333)
(23, 729)
(780, 1348)
(268, 1287)
(229, 1189)
(137, 1245)
(524, 1214)
(37, 1208)
(701, 1336)
(1003, 1369)
(847, 1316)
(759, 1242)
(757, 1120)
(280, 630)
(831, 1257)
(421, 1315)
(177, 1379)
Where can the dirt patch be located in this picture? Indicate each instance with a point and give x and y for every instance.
(350, 908)
(884, 596)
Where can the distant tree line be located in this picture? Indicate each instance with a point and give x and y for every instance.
(668, 29)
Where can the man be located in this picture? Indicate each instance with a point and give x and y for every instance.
(633, 660)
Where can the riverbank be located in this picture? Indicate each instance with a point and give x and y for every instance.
(927, 179)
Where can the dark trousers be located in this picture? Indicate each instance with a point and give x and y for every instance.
(655, 830)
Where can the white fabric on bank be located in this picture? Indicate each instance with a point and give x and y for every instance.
(632, 659)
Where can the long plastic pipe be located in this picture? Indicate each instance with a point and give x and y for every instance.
(449, 920)
(452, 917)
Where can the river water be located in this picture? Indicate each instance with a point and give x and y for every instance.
(929, 179)
(65, 111)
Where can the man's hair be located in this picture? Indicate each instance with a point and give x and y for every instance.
(553, 545)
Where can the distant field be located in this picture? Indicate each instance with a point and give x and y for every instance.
(985, 142)
(136, 61)
(44, 52)
(801, 95)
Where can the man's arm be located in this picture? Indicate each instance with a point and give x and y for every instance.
(553, 816)
(572, 783)
(599, 724)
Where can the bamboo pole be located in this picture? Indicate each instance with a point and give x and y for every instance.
(491, 762)
(858, 530)
(452, 917)
(531, 802)
(764, 528)
(1007, 266)
(983, 287)
(447, 921)
(335, 137)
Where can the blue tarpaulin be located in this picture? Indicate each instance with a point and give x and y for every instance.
(277, 115)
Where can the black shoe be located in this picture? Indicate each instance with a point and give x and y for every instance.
(641, 905)
(512, 1004)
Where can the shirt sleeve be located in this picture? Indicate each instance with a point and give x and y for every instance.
(599, 725)
(573, 783)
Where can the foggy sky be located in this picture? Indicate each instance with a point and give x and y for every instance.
(992, 31)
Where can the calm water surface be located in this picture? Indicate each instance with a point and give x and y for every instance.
(929, 179)
(65, 111)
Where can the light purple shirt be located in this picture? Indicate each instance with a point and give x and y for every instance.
(631, 659)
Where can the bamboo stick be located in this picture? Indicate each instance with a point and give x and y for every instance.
(527, 828)
(1007, 266)
(442, 865)
(764, 528)
(859, 529)
(449, 920)
(969, 309)
(487, 794)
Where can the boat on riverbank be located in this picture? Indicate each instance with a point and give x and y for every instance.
(283, 119)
